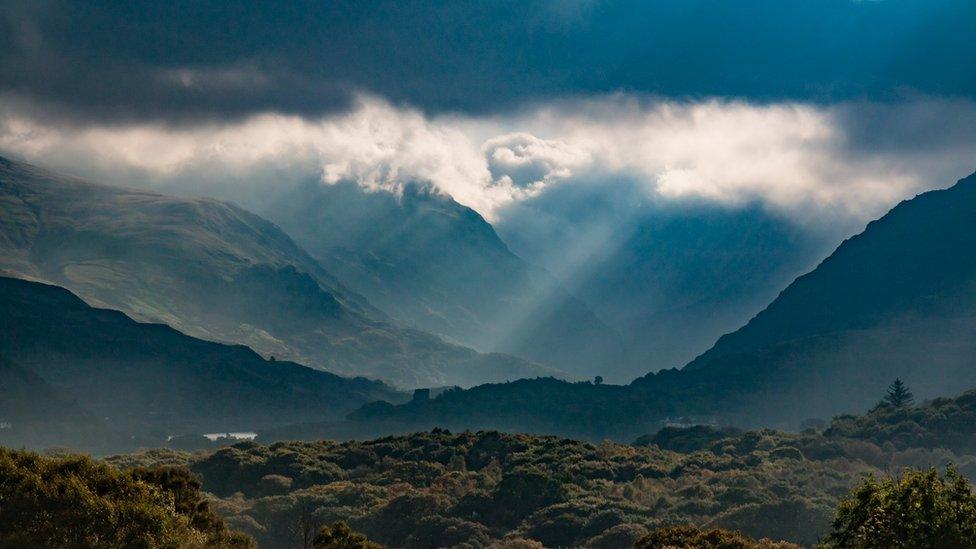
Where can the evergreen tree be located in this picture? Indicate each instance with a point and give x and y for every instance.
(899, 396)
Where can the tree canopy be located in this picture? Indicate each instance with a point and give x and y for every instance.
(340, 536)
(918, 509)
(78, 502)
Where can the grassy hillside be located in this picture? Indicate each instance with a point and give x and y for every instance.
(217, 272)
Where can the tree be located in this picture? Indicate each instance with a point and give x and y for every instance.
(75, 501)
(899, 396)
(920, 510)
(304, 526)
(598, 380)
(188, 500)
(340, 536)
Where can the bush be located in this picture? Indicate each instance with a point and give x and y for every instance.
(920, 509)
(340, 536)
(77, 502)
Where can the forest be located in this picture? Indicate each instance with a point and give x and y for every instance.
(874, 480)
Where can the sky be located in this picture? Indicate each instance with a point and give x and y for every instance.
(825, 111)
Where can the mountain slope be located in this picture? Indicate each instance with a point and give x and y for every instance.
(671, 276)
(915, 260)
(149, 378)
(898, 300)
(214, 271)
(439, 266)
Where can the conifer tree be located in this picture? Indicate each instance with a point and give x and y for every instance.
(899, 396)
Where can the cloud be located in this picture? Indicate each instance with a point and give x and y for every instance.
(186, 61)
(378, 146)
(806, 161)
(527, 162)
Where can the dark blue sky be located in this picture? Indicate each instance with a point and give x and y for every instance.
(179, 60)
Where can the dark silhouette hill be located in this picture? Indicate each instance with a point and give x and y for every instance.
(897, 300)
(67, 361)
(35, 414)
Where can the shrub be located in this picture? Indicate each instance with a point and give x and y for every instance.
(920, 509)
(75, 501)
(340, 536)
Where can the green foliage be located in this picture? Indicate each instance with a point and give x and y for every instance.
(920, 509)
(184, 487)
(691, 439)
(690, 537)
(77, 502)
(340, 536)
(523, 492)
(441, 489)
(942, 423)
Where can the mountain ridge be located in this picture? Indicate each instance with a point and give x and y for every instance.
(219, 272)
(440, 266)
(923, 251)
(172, 382)
(895, 220)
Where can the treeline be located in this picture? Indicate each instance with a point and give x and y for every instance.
(491, 489)
(438, 488)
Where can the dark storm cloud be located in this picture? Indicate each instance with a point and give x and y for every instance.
(922, 125)
(182, 60)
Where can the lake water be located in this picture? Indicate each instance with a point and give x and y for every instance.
(240, 435)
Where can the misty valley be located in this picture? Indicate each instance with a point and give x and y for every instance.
(531, 274)
(751, 444)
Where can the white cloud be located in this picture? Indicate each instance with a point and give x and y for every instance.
(795, 158)
(380, 147)
(528, 162)
(792, 157)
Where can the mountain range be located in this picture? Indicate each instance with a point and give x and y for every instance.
(895, 301)
(440, 267)
(215, 271)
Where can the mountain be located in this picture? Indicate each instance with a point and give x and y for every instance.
(215, 271)
(897, 300)
(66, 359)
(670, 276)
(439, 266)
